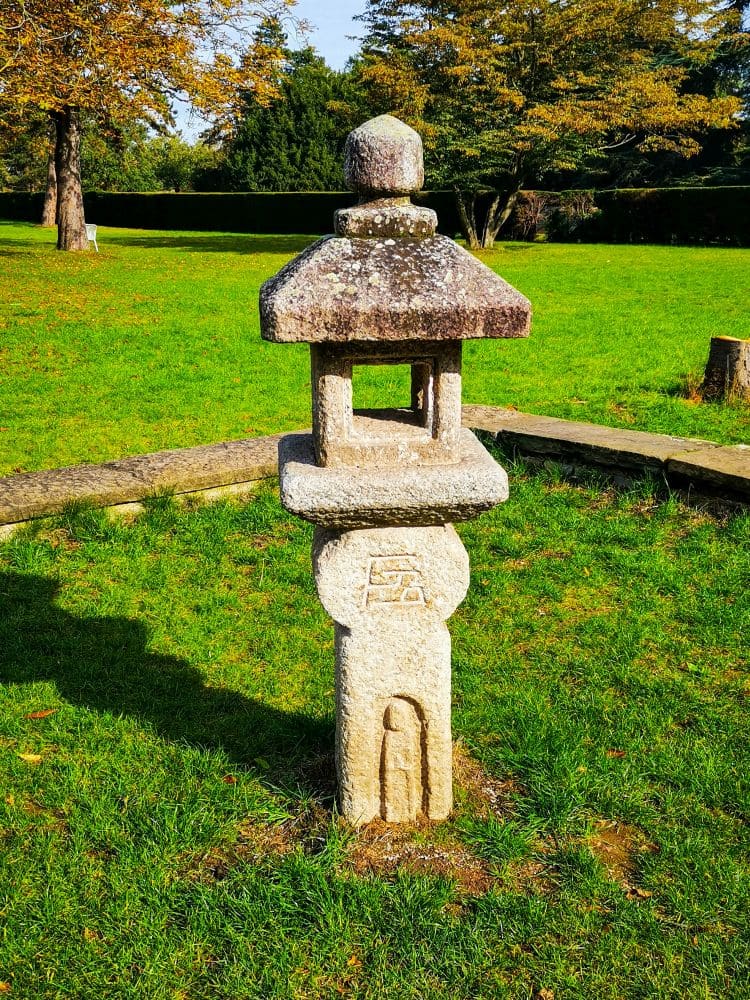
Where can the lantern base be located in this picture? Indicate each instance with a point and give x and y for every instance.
(389, 591)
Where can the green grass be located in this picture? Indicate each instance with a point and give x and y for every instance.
(154, 342)
(600, 674)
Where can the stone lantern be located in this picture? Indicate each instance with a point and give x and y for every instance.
(383, 486)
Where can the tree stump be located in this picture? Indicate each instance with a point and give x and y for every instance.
(727, 374)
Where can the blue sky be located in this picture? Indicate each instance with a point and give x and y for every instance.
(332, 21)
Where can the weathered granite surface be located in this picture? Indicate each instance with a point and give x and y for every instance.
(351, 497)
(385, 218)
(386, 276)
(720, 469)
(389, 289)
(428, 433)
(383, 156)
(389, 590)
(589, 443)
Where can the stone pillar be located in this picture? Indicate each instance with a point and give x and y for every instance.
(389, 591)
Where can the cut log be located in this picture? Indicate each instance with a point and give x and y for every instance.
(727, 374)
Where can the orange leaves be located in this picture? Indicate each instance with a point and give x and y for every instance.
(42, 713)
(125, 55)
(548, 82)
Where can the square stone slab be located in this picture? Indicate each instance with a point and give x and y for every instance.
(358, 497)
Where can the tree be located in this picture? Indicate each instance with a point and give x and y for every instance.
(133, 160)
(24, 143)
(123, 62)
(296, 142)
(504, 92)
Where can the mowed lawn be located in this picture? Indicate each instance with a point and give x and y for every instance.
(167, 820)
(154, 342)
(166, 737)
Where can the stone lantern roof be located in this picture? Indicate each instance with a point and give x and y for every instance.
(387, 290)
(386, 276)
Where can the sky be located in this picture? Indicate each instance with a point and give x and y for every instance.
(331, 21)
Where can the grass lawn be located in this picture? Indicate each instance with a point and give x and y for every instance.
(166, 730)
(154, 342)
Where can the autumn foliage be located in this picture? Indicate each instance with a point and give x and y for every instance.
(127, 60)
(504, 91)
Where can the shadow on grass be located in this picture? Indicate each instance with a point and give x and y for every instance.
(16, 246)
(104, 664)
(210, 243)
(192, 242)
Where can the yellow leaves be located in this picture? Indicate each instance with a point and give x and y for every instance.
(123, 55)
(31, 758)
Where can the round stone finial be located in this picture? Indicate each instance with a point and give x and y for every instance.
(383, 159)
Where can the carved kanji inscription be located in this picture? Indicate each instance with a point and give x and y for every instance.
(394, 579)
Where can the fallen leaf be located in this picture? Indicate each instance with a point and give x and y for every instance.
(616, 753)
(354, 962)
(90, 935)
(641, 893)
(229, 779)
(42, 713)
(545, 994)
(4, 987)
(31, 758)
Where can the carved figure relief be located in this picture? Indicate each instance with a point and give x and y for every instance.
(394, 580)
(402, 763)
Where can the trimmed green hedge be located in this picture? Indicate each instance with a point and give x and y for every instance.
(251, 212)
(719, 216)
(20, 206)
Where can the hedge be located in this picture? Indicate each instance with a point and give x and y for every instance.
(719, 215)
(251, 212)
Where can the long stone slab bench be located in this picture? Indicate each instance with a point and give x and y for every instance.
(215, 468)
(235, 466)
(703, 466)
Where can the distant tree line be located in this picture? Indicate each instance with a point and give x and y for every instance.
(631, 93)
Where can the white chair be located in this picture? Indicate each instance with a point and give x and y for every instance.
(91, 235)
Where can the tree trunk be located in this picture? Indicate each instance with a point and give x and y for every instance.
(49, 211)
(466, 204)
(71, 224)
(727, 374)
(498, 214)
